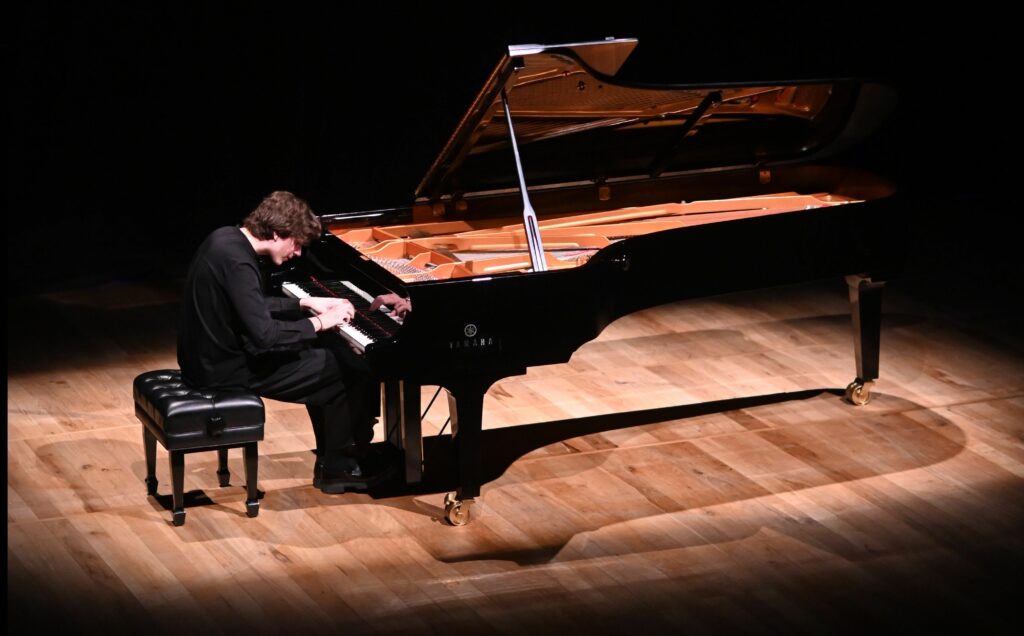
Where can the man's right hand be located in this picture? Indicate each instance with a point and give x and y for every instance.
(342, 312)
(399, 306)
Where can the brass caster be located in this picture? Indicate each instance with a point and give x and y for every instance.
(859, 393)
(456, 511)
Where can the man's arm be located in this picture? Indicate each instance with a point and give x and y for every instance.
(241, 281)
(280, 305)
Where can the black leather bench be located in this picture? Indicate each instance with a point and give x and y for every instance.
(186, 420)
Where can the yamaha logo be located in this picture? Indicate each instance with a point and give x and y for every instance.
(469, 330)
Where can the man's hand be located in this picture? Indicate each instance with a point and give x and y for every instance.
(319, 305)
(399, 306)
(341, 311)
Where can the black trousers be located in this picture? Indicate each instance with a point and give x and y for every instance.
(334, 383)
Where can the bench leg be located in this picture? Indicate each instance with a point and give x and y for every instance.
(149, 442)
(223, 474)
(178, 481)
(252, 503)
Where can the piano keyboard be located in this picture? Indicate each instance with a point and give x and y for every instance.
(366, 327)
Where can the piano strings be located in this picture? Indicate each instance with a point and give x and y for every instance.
(438, 251)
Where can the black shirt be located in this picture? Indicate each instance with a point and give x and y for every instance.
(227, 321)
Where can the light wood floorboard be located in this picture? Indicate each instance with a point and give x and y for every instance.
(692, 469)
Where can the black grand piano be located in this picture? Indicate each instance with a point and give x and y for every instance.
(565, 200)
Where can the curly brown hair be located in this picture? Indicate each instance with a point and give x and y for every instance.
(286, 215)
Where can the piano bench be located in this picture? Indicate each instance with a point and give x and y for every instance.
(187, 420)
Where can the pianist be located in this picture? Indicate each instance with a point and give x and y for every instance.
(232, 334)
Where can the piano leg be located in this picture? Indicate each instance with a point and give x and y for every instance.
(402, 425)
(412, 433)
(392, 413)
(465, 403)
(866, 305)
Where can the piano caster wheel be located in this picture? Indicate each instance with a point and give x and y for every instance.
(456, 511)
(252, 508)
(859, 393)
(179, 518)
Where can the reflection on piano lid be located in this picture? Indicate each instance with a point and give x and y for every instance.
(575, 123)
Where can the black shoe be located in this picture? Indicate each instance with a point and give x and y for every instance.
(318, 472)
(377, 456)
(351, 474)
(337, 483)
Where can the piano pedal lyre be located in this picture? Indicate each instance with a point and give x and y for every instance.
(456, 511)
(858, 392)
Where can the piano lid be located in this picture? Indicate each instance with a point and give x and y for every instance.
(575, 123)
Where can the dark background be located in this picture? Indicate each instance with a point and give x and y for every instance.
(132, 132)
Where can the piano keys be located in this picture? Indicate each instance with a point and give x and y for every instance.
(366, 327)
(643, 195)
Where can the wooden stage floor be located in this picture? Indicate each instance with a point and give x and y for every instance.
(692, 470)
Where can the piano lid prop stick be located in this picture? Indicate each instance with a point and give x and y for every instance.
(529, 216)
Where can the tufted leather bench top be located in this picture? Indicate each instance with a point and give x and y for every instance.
(182, 417)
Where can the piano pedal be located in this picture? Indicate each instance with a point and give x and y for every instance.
(858, 392)
(456, 511)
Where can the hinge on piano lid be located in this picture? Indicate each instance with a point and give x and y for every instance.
(455, 204)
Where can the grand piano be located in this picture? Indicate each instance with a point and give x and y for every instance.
(566, 199)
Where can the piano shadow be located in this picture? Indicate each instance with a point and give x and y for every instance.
(501, 447)
(895, 435)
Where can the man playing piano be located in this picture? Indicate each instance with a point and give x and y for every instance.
(231, 334)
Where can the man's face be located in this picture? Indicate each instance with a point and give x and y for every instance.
(284, 249)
